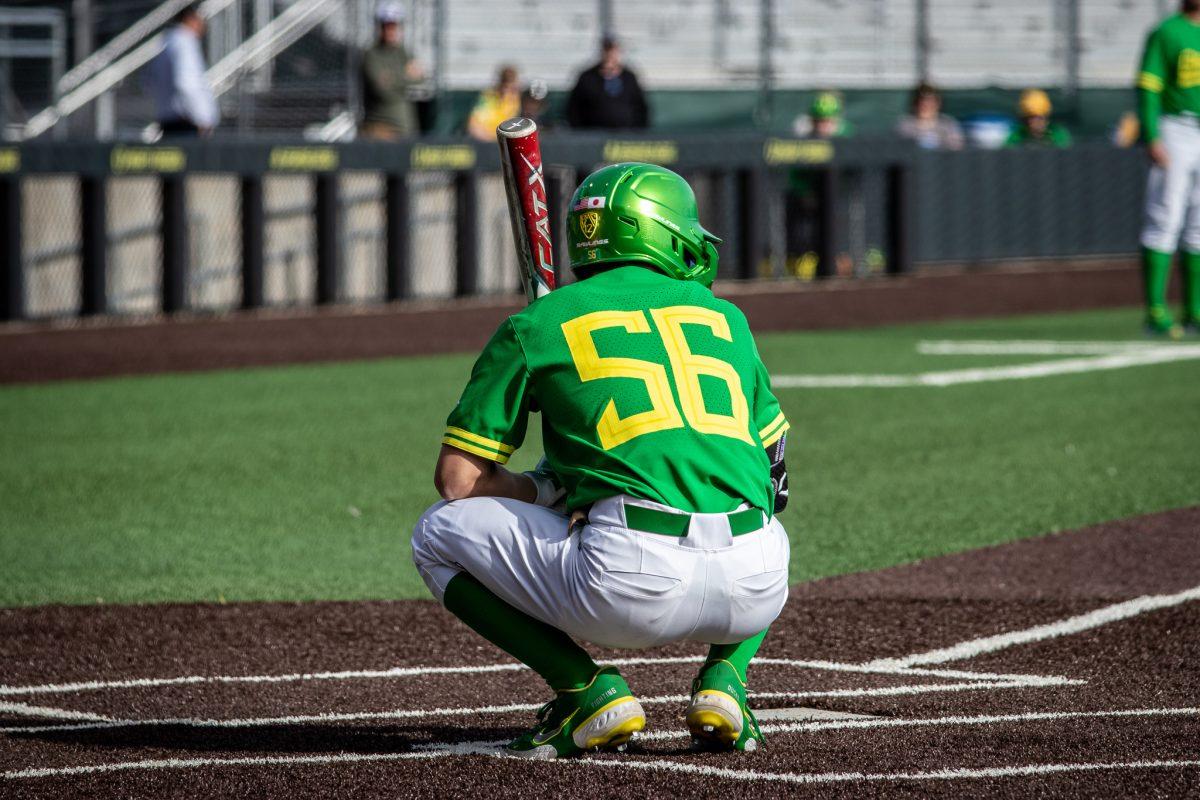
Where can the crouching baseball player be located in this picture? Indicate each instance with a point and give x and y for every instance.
(664, 445)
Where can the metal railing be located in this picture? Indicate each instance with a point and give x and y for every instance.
(104, 77)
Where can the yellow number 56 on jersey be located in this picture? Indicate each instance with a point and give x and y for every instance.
(686, 368)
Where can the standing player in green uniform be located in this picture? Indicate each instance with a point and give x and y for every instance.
(663, 443)
(1169, 112)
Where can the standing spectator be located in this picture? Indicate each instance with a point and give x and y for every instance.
(1035, 128)
(607, 95)
(495, 105)
(387, 74)
(803, 197)
(927, 125)
(183, 99)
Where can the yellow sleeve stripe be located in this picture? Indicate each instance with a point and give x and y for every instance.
(479, 451)
(770, 428)
(477, 439)
(1150, 82)
(777, 435)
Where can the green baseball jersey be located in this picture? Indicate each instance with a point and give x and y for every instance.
(647, 386)
(1169, 80)
(1055, 136)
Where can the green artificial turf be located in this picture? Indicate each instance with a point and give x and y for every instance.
(303, 482)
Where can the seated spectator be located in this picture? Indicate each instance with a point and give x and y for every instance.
(927, 125)
(495, 105)
(824, 119)
(387, 73)
(607, 95)
(1035, 128)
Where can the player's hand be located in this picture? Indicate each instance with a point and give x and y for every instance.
(1158, 154)
(579, 518)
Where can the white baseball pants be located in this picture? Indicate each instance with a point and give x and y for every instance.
(1173, 194)
(608, 584)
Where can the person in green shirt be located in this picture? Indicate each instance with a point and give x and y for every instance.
(651, 518)
(1168, 87)
(1034, 128)
(387, 73)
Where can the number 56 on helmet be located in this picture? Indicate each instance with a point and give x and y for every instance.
(640, 214)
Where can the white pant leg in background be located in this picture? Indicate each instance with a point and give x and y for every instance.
(1171, 192)
(608, 584)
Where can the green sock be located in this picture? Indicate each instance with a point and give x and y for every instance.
(738, 654)
(547, 651)
(1191, 286)
(1156, 269)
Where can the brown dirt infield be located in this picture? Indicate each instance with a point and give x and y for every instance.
(1109, 703)
(42, 352)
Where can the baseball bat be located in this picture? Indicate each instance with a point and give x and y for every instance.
(525, 185)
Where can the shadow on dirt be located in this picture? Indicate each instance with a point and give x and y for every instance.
(269, 739)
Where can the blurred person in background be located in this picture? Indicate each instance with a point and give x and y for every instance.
(494, 105)
(183, 100)
(388, 72)
(608, 95)
(802, 200)
(535, 102)
(824, 119)
(927, 125)
(1034, 127)
(1169, 112)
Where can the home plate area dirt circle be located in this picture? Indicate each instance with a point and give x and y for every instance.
(1064, 666)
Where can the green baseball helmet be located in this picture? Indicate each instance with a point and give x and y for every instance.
(826, 105)
(640, 214)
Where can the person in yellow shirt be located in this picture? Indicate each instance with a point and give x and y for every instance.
(495, 105)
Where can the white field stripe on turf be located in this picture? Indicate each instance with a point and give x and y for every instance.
(50, 713)
(816, 726)
(1037, 347)
(402, 714)
(955, 377)
(476, 669)
(863, 777)
(1063, 627)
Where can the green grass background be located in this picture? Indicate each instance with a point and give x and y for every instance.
(303, 482)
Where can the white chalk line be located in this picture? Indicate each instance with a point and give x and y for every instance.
(1053, 630)
(407, 714)
(422, 671)
(816, 726)
(1128, 357)
(867, 777)
(494, 748)
(23, 709)
(189, 763)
